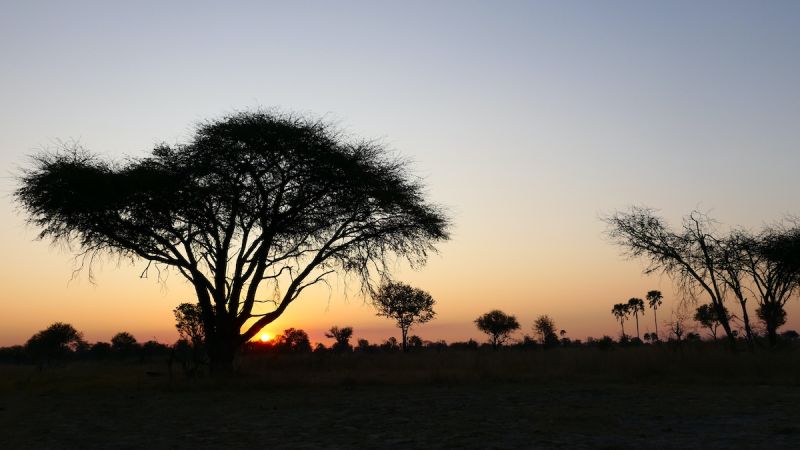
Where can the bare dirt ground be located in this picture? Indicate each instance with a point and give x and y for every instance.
(460, 415)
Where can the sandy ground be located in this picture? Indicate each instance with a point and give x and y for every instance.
(483, 415)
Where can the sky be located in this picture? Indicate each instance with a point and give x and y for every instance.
(527, 120)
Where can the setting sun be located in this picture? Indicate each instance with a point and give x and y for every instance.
(265, 337)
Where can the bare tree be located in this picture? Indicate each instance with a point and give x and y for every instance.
(406, 305)
(254, 210)
(689, 257)
(677, 324)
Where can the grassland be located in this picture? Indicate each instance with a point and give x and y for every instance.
(562, 398)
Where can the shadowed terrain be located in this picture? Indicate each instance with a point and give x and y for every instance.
(399, 401)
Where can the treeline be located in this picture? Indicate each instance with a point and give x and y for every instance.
(730, 271)
(61, 342)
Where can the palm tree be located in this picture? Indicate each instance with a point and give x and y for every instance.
(654, 299)
(636, 306)
(621, 311)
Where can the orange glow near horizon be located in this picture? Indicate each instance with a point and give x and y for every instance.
(265, 337)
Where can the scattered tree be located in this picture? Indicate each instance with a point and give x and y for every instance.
(294, 341)
(546, 329)
(772, 263)
(415, 341)
(621, 312)
(690, 256)
(255, 202)
(124, 344)
(636, 307)
(342, 337)
(706, 315)
(406, 305)
(498, 325)
(654, 299)
(189, 323)
(54, 343)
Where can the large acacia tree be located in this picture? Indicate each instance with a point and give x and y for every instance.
(253, 210)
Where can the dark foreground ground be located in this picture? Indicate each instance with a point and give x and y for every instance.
(124, 407)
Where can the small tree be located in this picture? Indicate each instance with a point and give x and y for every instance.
(294, 341)
(406, 305)
(546, 329)
(342, 337)
(621, 312)
(707, 316)
(636, 306)
(677, 326)
(654, 299)
(123, 343)
(189, 322)
(773, 316)
(415, 341)
(498, 325)
(54, 343)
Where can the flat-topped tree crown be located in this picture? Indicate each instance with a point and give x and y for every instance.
(256, 201)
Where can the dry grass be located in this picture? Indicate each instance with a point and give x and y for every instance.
(565, 398)
(701, 365)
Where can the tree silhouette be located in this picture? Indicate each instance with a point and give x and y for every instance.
(636, 307)
(124, 344)
(706, 315)
(654, 299)
(498, 325)
(54, 343)
(773, 315)
(406, 305)
(621, 312)
(689, 256)
(295, 341)
(342, 337)
(546, 329)
(772, 262)
(255, 202)
(189, 323)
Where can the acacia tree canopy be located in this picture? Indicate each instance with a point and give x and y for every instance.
(498, 325)
(254, 209)
(405, 304)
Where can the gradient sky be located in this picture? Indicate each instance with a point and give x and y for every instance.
(527, 119)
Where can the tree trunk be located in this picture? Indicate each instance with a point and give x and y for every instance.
(622, 324)
(772, 332)
(748, 331)
(222, 360)
(637, 326)
(405, 339)
(655, 321)
(222, 349)
(726, 325)
(746, 320)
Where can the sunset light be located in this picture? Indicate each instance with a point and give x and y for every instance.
(518, 224)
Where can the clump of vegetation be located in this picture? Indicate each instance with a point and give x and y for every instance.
(406, 305)
(498, 325)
